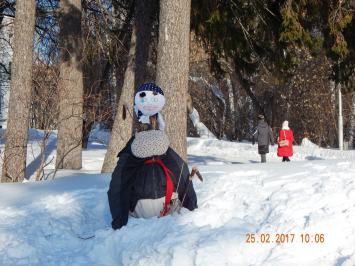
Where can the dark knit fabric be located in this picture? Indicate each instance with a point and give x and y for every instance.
(133, 180)
(151, 87)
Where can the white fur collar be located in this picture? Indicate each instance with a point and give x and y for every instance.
(286, 128)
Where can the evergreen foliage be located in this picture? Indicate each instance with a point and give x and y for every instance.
(268, 35)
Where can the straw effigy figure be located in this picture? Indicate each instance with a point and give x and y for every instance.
(150, 178)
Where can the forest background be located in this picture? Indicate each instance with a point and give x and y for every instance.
(282, 59)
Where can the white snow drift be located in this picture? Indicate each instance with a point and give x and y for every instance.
(66, 221)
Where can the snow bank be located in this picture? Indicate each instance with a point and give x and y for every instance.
(202, 130)
(307, 143)
(66, 221)
(72, 227)
(245, 152)
(92, 157)
(100, 136)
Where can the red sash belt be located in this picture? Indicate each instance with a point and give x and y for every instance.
(169, 183)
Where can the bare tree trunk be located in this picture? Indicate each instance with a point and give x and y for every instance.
(352, 122)
(274, 112)
(288, 105)
(89, 113)
(14, 165)
(332, 112)
(212, 111)
(189, 103)
(173, 68)
(134, 77)
(87, 125)
(112, 86)
(256, 103)
(231, 99)
(70, 122)
(251, 115)
(237, 100)
(231, 104)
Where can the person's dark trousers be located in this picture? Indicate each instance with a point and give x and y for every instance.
(285, 159)
(263, 158)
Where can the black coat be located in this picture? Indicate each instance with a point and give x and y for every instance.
(133, 180)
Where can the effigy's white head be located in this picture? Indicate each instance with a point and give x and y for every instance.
(149, 100)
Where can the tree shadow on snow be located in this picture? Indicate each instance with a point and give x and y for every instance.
(341, 260)
(310, 158)
(195, 159)
(32, 167)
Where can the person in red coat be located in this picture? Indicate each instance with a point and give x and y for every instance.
(285, 133)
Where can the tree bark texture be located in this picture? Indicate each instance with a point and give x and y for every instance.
(112, 84)
(238, 102)
(256, 103)
(173, 69)
(231, 104)
(352, 123)
(251, 116)
(70, 121)
(14, 165)
(274, 101)
(189, 104)
(332, 134)
(134, 77)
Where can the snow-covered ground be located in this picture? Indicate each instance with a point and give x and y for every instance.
(66, 221)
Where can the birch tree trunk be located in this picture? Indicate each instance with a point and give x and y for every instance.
(173, 69)
(112, 86)
(352, 123)
(251, 115)
(238, 104)
(70, 121)
(231, 99)
(231, 104)
(14, 165)
(288, 105)
(134, 77)
(332, 134)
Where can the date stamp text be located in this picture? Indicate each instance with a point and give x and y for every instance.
(285, 238)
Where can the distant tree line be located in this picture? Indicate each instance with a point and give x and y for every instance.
(79, 62)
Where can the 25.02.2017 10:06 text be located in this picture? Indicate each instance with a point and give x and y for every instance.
(284, 238)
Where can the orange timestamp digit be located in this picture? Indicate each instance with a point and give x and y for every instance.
(265, 238)
(250, 238)
(284, 238)
(318, 238)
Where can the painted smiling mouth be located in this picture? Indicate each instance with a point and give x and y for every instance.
(150, 107)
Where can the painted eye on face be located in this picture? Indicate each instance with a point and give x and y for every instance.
(143, 100)
(154, 99)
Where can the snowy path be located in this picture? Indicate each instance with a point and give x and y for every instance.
(210, 151)
(40, 222)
